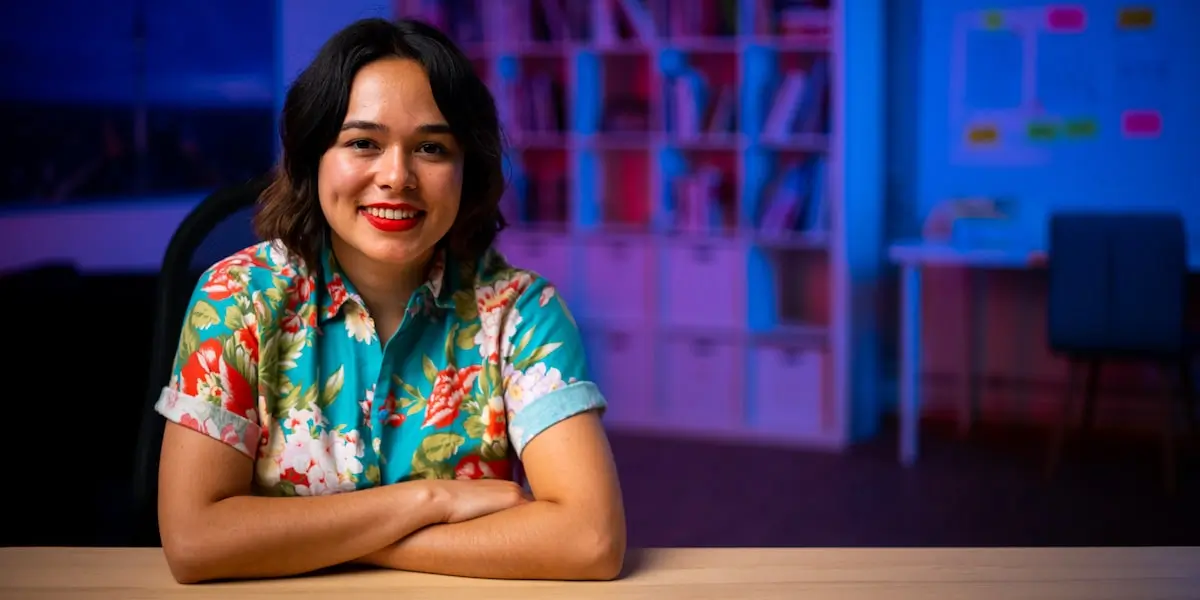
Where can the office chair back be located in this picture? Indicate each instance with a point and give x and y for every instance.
(176, 282)
(1117, 284)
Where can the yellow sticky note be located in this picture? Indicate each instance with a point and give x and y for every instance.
(983, 135)
(1135, 17)
(993, 19)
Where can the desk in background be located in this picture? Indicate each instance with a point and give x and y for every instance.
(662, 574)
(125, 237)
(913, 257)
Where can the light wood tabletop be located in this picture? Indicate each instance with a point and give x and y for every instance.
(662, 574)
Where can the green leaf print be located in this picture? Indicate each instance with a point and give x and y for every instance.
(450, 337)
(189, 341)
(371, 474)
(275, 296)
(418, 406)
(333, 387)
(299, 398)
(311, 394)
(423, 470)
(431, 371)
(292, 347)
(539, 354)
(469, 405)
(474, 426)
(441, 446)
(464, 305)
(496, 450)
(524, 342)
(488, 377)
(237, 357)
(270, 373)
(203, 316)
(285, 488)
(412, 391)
(466, 336)
(234, 319)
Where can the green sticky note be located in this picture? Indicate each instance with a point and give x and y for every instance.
(1080, 128)
(1042, 132)
(993, 19)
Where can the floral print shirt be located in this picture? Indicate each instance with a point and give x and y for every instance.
(285, 366)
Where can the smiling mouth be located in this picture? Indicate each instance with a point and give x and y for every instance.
(391, 214)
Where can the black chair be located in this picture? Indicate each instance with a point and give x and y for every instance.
(178, 278)
(1118, 287)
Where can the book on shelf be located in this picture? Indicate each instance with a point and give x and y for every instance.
(533, 197)
(791, 19)
(615, 21)
(697, 201)
(530, 106)
(692, 111)
(798, 105)
(795, 202)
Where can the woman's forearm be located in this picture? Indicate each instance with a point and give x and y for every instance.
(253, 537)
(539, 540)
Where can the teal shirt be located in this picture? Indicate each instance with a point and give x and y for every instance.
(285, 366)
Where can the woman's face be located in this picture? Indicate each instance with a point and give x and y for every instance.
(391, 183)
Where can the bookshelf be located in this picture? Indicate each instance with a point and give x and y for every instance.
(670, 165)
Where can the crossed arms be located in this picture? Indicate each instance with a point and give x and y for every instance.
(572, 529)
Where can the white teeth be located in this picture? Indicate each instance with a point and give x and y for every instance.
(391, 213)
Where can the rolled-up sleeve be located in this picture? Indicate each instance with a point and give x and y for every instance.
(213, 385)
(545, 374)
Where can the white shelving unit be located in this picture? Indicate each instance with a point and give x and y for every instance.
(699, 320)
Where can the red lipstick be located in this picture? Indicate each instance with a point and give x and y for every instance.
(386, 217)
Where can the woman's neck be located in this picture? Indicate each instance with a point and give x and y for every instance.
(386, 289)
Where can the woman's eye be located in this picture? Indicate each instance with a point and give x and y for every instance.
(431, 149)
(362, 144)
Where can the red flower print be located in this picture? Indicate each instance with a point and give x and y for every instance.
(495, 420)
(206, 375)
(337, 295)
(392, 417)
(222, 284)
(291, 322)
(226, 277)
(449, 387)
(191, 423)
(247, 339)
(294, 477)
(495, 426)
(229, 435)
(302, 290)
(472, 467)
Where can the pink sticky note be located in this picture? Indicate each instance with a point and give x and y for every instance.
(1141, 123)
(1066, 19)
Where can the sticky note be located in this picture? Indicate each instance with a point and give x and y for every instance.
(1066, 19)
(1042, 131)
(983, 135)
(1080, 128)
(1141, 123)
(993, 19)
(1135, 17)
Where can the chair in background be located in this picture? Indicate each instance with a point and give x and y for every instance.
(1118, 286)
(176, 281)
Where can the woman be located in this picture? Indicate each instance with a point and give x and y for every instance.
(358, 388)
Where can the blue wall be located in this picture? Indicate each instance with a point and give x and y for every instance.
(197, 52)
(1092, 76)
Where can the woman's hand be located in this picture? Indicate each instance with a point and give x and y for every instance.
(463, 500)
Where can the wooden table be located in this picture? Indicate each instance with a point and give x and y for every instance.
(758, 574)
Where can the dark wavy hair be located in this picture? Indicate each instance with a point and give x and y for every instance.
(316, 105)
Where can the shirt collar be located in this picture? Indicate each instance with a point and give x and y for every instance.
(336, 289)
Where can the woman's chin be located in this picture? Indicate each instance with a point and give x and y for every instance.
(397, 255)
